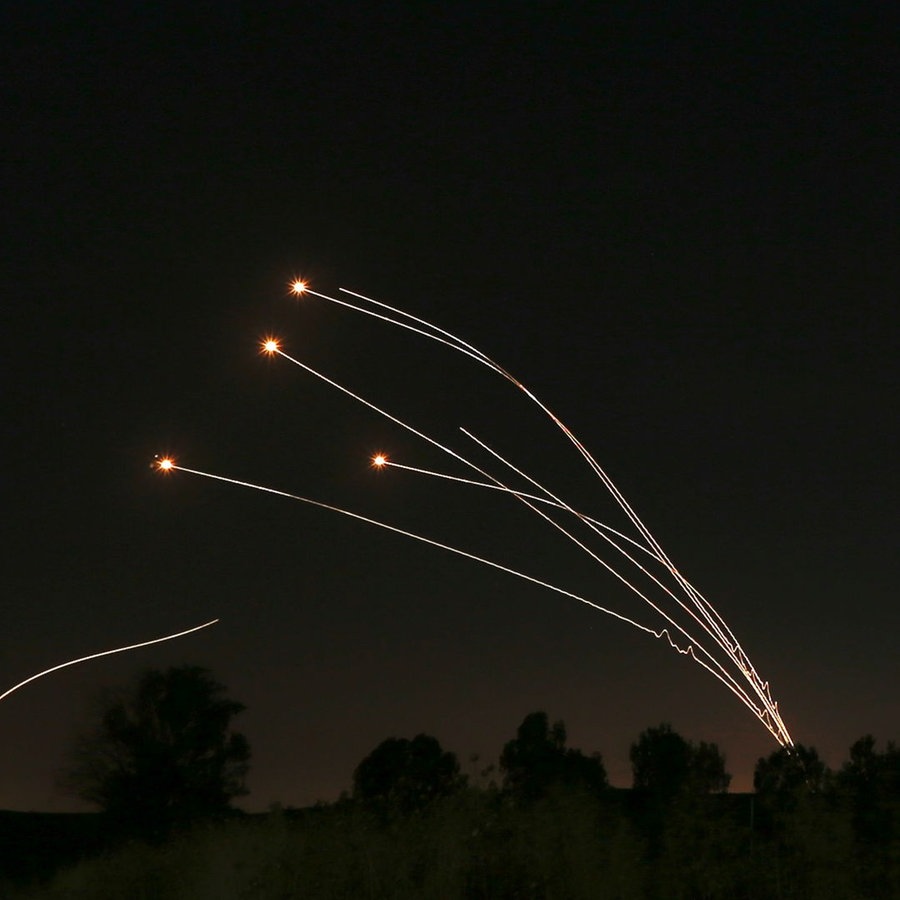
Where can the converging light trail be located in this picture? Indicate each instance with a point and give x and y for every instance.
(719, 652)
(432, 332)
(442, 336)
(694, 603)
(168, 465)
(709, 661)
(81, 659)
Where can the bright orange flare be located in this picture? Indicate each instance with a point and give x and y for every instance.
(270, 346)
(379, 460)
(165, 464)
(298, 286)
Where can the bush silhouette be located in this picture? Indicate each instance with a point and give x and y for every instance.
(406, 774)
(162, 753)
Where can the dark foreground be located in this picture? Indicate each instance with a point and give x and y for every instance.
(475, 844)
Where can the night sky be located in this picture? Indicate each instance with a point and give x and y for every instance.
(680, 230)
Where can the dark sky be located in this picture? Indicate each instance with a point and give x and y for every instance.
(679, 230)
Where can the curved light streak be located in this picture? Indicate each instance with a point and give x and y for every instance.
(659, 634)
(81, 659)
(714, 623)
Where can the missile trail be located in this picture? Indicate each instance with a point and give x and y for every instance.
(709, 618)
(81, 659)
(169, 465)
(272, 347)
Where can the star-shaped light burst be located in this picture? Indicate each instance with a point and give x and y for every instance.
(379, 461)
(165, 464)
(270, 346)
(298, 286)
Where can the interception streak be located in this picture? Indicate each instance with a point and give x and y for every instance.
(81, 659)
(702, 635)
(693, 603)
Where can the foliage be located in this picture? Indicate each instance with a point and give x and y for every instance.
(163, 753)
(663, 763)
(406, 774)
(871, 780)
(869, 784)
(537, 758)
(788, 772)
(569, 842)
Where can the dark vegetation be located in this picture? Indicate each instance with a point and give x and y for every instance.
(161, 754)
(163, 764)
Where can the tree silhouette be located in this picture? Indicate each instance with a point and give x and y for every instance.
(537, 757)
(871, 781)
(406, 774)
(707, 769)
(663, 763)
(787, 772)
(162, 753)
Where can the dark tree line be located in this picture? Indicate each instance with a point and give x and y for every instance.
(165, 754)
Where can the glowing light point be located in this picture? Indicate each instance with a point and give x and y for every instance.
(298, 286)
(379, 460)
(270, 346)
(166, 464)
